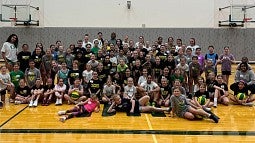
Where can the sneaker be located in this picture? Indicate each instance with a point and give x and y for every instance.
(62, 119)
(1, 104)
(30, 103)
(207, 109)
(48, 102)
(60, 102)
(214, 118)
(17, 102)
(43, 102)
(247, 104)
(35, 103)
(61, 113)
(57, 101)
(11, 100)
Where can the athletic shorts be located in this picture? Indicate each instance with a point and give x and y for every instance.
(226, 72)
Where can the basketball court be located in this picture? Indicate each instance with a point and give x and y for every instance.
(19, 123)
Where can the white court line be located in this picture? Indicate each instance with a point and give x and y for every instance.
(150, 127)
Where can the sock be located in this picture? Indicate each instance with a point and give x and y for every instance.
(215, 101)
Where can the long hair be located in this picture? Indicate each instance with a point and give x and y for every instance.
(16, 42)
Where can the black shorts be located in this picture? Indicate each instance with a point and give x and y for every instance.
(226, 72)
(84, 112)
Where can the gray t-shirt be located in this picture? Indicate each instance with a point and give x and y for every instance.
(109, 90)
(6, 79)
(31, 76)
(179, 104)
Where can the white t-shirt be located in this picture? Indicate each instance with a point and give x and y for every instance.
(130, 91)
(149, 87)
(6, 79)
(10, 51)
(60, 88)
(84, 44)
(193, 48)
(141, 80)
(87, 74)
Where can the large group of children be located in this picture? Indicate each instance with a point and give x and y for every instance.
(129, 76)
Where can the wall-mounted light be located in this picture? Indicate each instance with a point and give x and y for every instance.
(128, 4)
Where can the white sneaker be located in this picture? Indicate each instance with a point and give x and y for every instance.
(208, 109)
(60, 101)
(35, 103)
(17, 102)
(62, 119)
(30, 103)
(61, 113)
(57, 102)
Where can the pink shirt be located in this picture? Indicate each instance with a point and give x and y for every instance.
(91, 105)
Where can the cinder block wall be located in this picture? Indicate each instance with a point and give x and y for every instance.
(241, 41)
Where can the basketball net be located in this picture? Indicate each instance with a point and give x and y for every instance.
(13, 21)
(247, 22)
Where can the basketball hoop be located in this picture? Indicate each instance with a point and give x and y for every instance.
(13, 21)
(247, 19)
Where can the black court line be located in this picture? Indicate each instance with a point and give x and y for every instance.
(114, 131)
(13, 116)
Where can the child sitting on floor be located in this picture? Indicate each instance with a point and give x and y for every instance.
(82, 109)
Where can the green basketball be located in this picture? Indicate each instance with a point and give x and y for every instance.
(74, 95)
(240, 96)
(201, 100)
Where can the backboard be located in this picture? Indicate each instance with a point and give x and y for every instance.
(236, 15)
(23, 14)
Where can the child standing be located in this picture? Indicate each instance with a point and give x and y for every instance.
(82, 109)
(194, 71)
(226, 60)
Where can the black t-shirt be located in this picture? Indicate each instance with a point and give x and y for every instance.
(23, 58)
(205, 94)
(95, 85)
(165, 91)
(23, 91)
(73, 74)
(244, 90)
(222, 86)
(38, 60)
(102, 75)
(37, 88)
(157, 68)
(210, 84)
(48, 87)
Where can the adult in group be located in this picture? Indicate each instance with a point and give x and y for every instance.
(9, 51)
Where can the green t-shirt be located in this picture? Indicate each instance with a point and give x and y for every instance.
(16, 76)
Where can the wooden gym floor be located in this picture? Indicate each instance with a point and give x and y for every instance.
(19, 123)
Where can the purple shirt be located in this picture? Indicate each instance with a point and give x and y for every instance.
(226, 62)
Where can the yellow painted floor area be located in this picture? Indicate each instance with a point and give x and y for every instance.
(16, 119)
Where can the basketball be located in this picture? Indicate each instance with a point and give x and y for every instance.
(201, 100)
(240, 96)
(74, 95)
